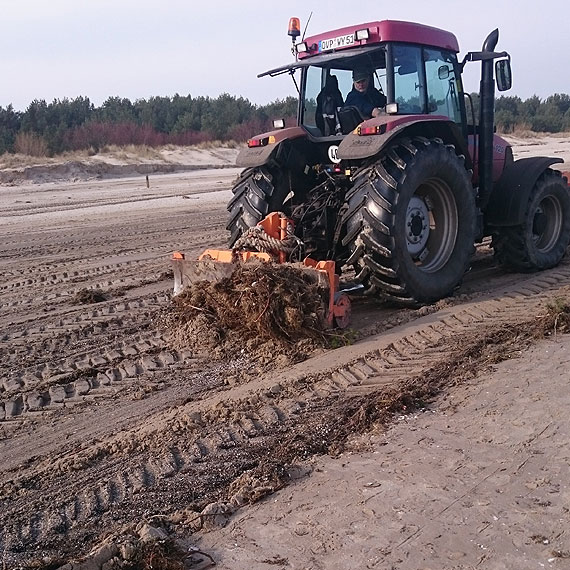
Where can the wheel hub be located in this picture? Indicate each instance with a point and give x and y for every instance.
(539, 223)
(417, 225)
(547, 224)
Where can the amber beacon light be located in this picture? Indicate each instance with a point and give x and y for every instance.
(294, 28)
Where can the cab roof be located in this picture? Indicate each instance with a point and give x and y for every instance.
(379, 32)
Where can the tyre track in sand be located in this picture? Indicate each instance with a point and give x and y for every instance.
(87, 353)
(106, 423)
(185, 454)
(46, 273)
(54, 353)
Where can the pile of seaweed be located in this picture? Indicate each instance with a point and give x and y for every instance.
(259, 304)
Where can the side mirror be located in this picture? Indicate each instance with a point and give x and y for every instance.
(503, 74)
(443, 72)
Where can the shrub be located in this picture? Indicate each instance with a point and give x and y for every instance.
(30, 144)
(97, 135)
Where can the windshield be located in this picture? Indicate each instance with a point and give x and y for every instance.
(328, 88)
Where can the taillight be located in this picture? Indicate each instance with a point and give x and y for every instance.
(252, 143)
(374, 130)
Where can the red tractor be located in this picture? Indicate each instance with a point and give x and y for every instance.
(402, 196)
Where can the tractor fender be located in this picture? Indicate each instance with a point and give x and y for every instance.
(268, 143)
(355, 146)
(510, 195)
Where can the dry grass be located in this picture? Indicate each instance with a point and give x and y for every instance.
(129, 153)
(158, 554)
(524, 132)
(8, 160)
(557, 317)
(208, 145)
(21, 160)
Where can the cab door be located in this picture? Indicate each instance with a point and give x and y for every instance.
(444, 89)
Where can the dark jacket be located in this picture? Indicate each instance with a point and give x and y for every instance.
(365, 102)
(329, 100)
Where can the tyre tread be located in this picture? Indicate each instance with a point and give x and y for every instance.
(371, 221)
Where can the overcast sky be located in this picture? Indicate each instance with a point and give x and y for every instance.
(52, 49)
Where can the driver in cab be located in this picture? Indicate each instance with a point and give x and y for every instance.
(364, 96)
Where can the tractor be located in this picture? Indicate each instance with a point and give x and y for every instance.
(400, 200)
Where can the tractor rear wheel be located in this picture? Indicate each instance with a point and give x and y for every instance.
(257, 192)
(411, 222)
(541, 240)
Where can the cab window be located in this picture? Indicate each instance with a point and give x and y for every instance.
(409, 91)
(442, 85)
(338, 75)
(317, 78)
(312, 88)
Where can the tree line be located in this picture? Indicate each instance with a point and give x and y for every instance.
(77, 124)
(551, 115)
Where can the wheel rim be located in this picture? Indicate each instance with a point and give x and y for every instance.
(547, 224)
(431, 225)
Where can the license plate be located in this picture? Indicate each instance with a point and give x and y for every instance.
(335, 43)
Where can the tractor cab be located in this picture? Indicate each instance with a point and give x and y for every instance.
(413, 66)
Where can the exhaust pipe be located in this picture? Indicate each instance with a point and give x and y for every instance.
(487, 121)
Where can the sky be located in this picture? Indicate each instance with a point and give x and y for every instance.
(137, 49)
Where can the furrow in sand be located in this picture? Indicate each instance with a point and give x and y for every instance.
(179, 447)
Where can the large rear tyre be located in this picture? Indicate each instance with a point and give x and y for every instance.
(541, 240)
(411, 222)
(257, 192)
